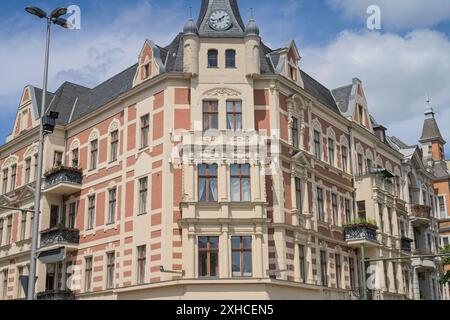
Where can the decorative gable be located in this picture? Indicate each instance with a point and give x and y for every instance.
(361, 113)
(286, 62)
(27, 113)
(150, 63)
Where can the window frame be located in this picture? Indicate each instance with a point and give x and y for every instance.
(299, 194)
(317, 144)
(335, 208)
(210, 111)
(324, 268)
(321, 205)
(5, 180)
(234, 115)
(338, 266)
(228, 59)
(145, 131)
(93, 154)
(88, 267)
(294, 133)
(112, 205)
(211, 59)
(143, 195)
(141, 257)
(114, 145)
(208, 176)
(110, 269)
(344, 158)
(13, 177)
(241, 177)
(242, 250)
(75, 158)
(90, 224)
(209, 250)
(27, 174)
(331, 151)
(302, 262)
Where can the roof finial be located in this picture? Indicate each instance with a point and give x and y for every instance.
(429, 112)
(190, 12)
(251, 14)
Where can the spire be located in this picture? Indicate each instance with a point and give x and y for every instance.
(220, 18)
(252, 28)
(190, 28)
(429, 113)
(430, 132)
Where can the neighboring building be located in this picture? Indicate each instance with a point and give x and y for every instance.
(133, 188)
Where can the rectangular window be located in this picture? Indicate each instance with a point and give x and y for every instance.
(317, 145)
(8, 230)
(442, 210)
(351, 263)
(230, 59)
(110, 257)
(143, 192)
(19, 293)
(348, 211)
(298, 195)
(334, 205)
(91, 213)
(369, 164)
(5, 284)
(302, 261)
(361, 114)
(210, 115)
(13, 177)
(445, 240)
(145, 130)
(54, 216)
(381, 215)
(386, 275)
(320, 204)
(141, 263)
(338, 270)
(88, 274)
(361, 209)
(112, 206)
(23, 226)
(324, 268)
(213, 58)
(27, 170)
(75, 161)
(331, 151)
(234, 115)
(241, 252)
(240, 182)
(50, 276)
(59, 276)
(1, 232)
(146, 70)
(5, 181)
(94, 154)
(114, 145)
(207, 183)
(57, 159)
(69, 275)
(293, 73)
(295, 132)
(360, 164)
(72, 217)
(344, 152)
(396, 284)
(208, 256)
(391, 226)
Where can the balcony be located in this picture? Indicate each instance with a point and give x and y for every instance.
(63, 180)
(406, 244)
(361, 234)
(60, 237)
(421, 215)
(56, 295)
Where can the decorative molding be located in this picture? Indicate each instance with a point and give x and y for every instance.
(31, 151)
(115, 125)
(10, 161)
(94, 135)
(220, 92)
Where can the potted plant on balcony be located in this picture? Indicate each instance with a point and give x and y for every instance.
(361, 229)
(362, 223)
(57, 169)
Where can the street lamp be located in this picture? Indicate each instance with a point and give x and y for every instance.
(53, 18)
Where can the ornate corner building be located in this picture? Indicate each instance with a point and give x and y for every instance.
(215, 168)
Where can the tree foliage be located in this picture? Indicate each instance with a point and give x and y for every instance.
(446, 262)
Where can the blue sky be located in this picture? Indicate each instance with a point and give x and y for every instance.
(399, 65)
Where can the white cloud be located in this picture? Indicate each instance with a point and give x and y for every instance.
(398, 14)
(397, 73)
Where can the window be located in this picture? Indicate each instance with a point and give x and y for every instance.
(323, 268)
(208, 256)
(54, 216)
(75, 161)
(298, 194)
(230, 56)
(112, 206)
(317, 144)
(302, 261)
(5, 284)
(406, 281)
(234, 115)
(146, 70)
(334, 205)
(381, 215)
(338, 270)
(344, 152)
(293, 73)
(71, 218)
(8, 230)
(50, 276)
(391, 227)
(369, 164)
(207, 183)
(141, 263)
(94, 154)
(88, 274)
(442, 209)
(110, 270)
(348, 211)
(241, 252)
(13, 177)
(145, 129)
(57, 159)
(114, 145)
(27, 170)
(240, 182)
(212, 58)
(91, 213)
(361, 209)
(386, 275)
(1, 232)
(351, 263)
(361, 114)
(320, 205)
(331, 151)
(5, 181)
(445, 240)
(210, 115)
(59, 275)
(69, 275)
(143, 191)
(360, 164)
(23, 226)
(295, 132)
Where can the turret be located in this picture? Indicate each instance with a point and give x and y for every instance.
(431, 139)
(191, 45)
(252, 48)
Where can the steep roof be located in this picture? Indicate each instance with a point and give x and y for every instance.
(208, 6)
(431, 131)
(319, 91)
(342, 97)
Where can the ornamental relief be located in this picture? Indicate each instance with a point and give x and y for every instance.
(220, 92)
(31, 152)
(10, 161)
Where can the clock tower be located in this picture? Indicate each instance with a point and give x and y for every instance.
(220, 18)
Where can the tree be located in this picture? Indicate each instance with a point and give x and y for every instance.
(446, 262)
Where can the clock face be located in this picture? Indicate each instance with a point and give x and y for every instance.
(220, 20)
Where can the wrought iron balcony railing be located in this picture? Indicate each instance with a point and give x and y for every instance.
(421, 211)
(56, 295)
(58, 235)
(360, 232)
(406, 244)
(63, 175)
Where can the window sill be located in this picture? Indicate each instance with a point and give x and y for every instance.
(142, 214)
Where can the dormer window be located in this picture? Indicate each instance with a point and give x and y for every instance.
(361, 114)
(147, 71)
(213, 58)
(230, 56)
(293, 73)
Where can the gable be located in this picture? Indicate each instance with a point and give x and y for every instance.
(150, 63)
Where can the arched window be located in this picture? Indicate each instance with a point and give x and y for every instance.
(230, 58)
(213, 55)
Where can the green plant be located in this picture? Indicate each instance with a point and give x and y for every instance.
(363, 221)
(445, 277)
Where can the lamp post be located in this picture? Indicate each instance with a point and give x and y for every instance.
(53, 18)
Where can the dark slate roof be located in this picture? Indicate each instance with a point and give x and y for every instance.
(236, 30)
(400, 143)
(234, 7)
(38, 95)
(342, 97)
(175, 53)
(430, 130)
(440, 170)
(320, 92)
